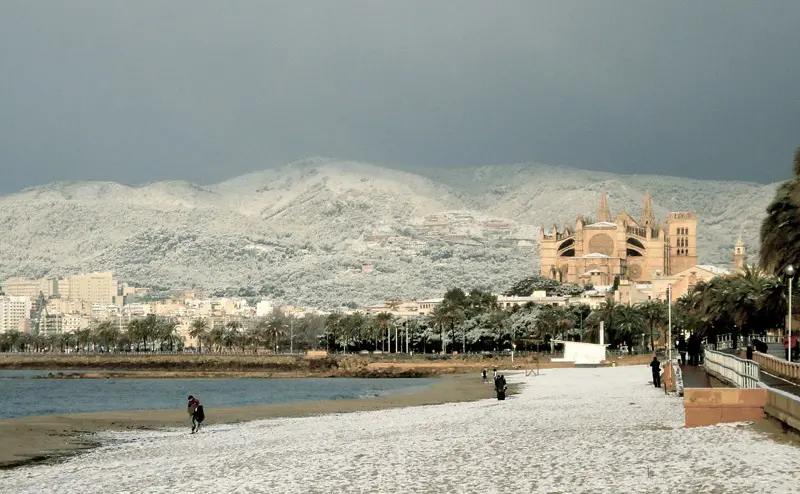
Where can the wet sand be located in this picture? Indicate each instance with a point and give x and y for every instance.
(27, 440)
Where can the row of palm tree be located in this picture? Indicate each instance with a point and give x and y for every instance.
(746, 303)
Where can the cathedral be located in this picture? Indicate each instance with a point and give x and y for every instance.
(598, 251)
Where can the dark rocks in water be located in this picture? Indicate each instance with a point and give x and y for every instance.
(60, 375)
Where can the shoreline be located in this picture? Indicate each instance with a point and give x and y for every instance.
(45, 438)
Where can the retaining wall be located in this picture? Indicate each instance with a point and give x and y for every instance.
(709, 406)
(784, 407)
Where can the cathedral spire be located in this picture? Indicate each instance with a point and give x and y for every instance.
(647, 211)
(739, 255)
(603, 213)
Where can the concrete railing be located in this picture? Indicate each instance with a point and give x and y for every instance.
(778, 367)
(736, 371)
(767, 338)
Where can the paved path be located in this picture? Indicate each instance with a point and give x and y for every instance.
(695, 377)
(778, 383)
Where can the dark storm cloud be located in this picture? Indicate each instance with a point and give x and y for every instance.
(204, 90)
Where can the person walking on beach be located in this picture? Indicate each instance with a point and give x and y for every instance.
(494, 374)
(655, 365)
(483, 374)
(196, 413)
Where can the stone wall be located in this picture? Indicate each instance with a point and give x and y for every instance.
(709, 406)
(784, 407)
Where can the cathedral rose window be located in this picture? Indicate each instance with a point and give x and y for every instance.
(601, 244)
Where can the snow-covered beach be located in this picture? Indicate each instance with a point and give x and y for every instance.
(569, 430)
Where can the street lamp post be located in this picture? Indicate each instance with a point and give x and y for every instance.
(669, 323)
(790, 272)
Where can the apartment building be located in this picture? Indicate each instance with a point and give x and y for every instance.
(24, 287)
(95, 288)
(14, 313)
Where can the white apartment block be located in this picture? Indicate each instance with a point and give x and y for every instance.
(73, 322)
(14, 311)
(264, 308)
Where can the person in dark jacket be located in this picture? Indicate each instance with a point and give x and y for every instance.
(682, 349)
(655, 366)
(500, 386)
(694, 346)
(195, 410)
(749, 349)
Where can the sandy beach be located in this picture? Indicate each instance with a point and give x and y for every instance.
(34, 439)
(578, 430)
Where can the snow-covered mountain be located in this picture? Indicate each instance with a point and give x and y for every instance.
(327, 232)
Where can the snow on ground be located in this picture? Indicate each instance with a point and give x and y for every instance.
(570, 430)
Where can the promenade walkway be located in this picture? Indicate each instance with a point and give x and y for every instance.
(778, 383)
(695, 376)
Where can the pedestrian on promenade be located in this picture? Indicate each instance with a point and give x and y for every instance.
(694, 345)
(196, 412)
(483, 374)
(655, 366)
(749, 349)
(682, 348)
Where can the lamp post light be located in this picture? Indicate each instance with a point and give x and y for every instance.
(789, 271)
(669, 323)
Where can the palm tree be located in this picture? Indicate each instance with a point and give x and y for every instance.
(83, 338)
(276, 325)
(384, 319)
(199, 331)
(653, 314)
(608, 312)
(232, 334)
(106, 334)
(168, 332)
(629, 321)
(216, 337)
(455, 315)
(439, 317)
(780, 229)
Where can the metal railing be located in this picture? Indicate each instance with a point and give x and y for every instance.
(739, 372)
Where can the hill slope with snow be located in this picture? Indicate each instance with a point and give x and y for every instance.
(328, 232)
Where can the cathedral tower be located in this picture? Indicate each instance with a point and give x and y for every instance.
(738, 256)
(681, 241)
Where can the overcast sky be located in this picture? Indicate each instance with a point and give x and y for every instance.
(138, 91)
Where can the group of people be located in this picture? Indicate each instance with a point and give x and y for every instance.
(693, 346)
(484, 376)
(500, 385)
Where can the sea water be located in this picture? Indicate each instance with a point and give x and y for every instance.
(21, 395)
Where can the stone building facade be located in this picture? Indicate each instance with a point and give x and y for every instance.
(596, 251)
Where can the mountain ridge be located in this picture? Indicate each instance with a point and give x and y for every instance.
(324, 232)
